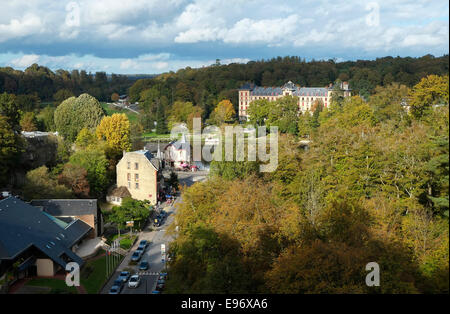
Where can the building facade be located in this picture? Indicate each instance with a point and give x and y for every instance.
(307, 96)
(138, 171)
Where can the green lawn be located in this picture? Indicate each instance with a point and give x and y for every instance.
(110, 110)
(57, 286)
(154, 135)
(93, 274)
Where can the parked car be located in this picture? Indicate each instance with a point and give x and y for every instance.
(124, 276)
(156, 292)
(134, 282)
(141, 247)
(136, 256)
(143, 265)
(143, 243)
(156, 222)
(117, 287)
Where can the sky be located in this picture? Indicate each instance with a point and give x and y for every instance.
(156, 36)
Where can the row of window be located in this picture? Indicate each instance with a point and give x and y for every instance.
(136, 176)
(136, 165)
(136, 185)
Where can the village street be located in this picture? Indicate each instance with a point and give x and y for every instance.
(155, 237)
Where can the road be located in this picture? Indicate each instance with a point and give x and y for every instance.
(156, 237)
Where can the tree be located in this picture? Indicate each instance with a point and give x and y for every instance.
(258, 111)
(75, 178)
(41, 185)
(96, 165)
(28, 122)
(10, 110)
(62, 95)
(130, 210)
(115, 130)
(85, 138)
(223, 112)
(431, 90)
(74, 114)
(9, 148)
(284, 114)
(46, 119)
(115, 97)
(161, 124)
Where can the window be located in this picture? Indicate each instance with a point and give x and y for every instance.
(129, 184)
(136, 166)
(128, 165)
(136, 177)
(137, 186)
(128, 176)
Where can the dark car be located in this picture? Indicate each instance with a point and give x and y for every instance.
(117, 287)
(143, 243)
(124, 276)
(136, 256)
(143, 265)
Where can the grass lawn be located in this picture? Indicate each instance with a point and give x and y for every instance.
(154, 135)
(57, 286)
(110, 110)
(93, 274)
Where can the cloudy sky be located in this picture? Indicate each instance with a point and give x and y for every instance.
(155, 36)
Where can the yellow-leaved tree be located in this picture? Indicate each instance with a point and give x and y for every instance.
(115, 130)
(223, 112)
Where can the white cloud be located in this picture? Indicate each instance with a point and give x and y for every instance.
(27, 25)
(24, 61)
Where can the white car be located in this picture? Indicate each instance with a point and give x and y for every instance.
(134, 281)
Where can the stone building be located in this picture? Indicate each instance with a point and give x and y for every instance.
(306, 95)
(139, 172)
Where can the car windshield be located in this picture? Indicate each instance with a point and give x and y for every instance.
(123, 274)
(133, 279)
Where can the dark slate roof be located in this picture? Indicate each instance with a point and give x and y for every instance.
(23, 226)
(276, 91)
(67, 207)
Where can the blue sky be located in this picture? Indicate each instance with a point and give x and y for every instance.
(155, 36)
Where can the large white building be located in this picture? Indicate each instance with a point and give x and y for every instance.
(306, 95)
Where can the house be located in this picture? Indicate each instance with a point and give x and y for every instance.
(139, 172)
(33, 242)
(86, 210)
(178, 152)
(307, 96)
(117, 194)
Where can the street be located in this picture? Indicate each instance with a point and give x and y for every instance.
(156, 237)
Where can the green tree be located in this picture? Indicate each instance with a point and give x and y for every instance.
(62, 95)
(74, 114)
(41, 185)
(28, 122)
(9, 148)
(10, 110)
(431, 90)
(96, 165)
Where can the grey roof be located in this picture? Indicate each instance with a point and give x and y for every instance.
(154, 161)
(276, 91)
(23, 226)
(67, 207)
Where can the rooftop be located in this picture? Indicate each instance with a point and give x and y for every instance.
(23, 226)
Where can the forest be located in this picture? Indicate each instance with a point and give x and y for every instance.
(372, 187)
